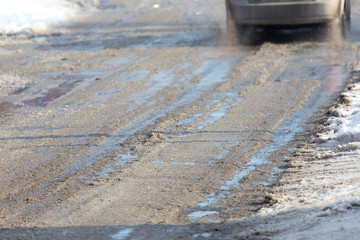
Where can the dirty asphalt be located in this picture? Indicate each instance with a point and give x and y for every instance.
(137, 120)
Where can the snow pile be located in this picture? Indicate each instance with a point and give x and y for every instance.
(344, 122)
(34, 15)
(318, 196)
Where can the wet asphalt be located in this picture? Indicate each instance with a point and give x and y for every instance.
(140, 114)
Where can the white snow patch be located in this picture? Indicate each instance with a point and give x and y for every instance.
(344, 126)
(34, 15)
(123, 234)
(204, 235)
(200, 214)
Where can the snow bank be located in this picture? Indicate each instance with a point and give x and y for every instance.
(344, 123)
(34, 15)
(318, 196)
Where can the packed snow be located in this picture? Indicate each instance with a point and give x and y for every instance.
(32, 16)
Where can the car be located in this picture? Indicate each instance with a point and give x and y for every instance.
(245, 14)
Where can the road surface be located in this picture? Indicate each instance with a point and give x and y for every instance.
(139, 115)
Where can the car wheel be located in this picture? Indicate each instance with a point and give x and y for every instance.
(348, 10)
(232, 29)
(236, 33)
(345, 20)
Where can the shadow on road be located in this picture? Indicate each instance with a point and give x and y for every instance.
(171, 34)
(287, 224)
(139, 35)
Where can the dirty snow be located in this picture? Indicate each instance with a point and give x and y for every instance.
(344, 124)
(34, 15)
(319, 195)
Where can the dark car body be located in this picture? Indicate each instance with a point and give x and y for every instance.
(288, 12)
(282, 13)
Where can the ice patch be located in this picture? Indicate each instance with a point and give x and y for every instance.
(200, 214)
(123, 234)
(266, 183)
(214, 117)
(204, 235)
(125, 158)
(190, 119)
(34, 15)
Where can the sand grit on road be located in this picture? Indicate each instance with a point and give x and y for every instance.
(123, 127)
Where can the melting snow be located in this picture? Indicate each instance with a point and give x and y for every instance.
(344, 124)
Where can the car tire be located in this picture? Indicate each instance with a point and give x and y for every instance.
(232, 29)
(339, 28)
(237, 34)
(348, 10)
(345, 19)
